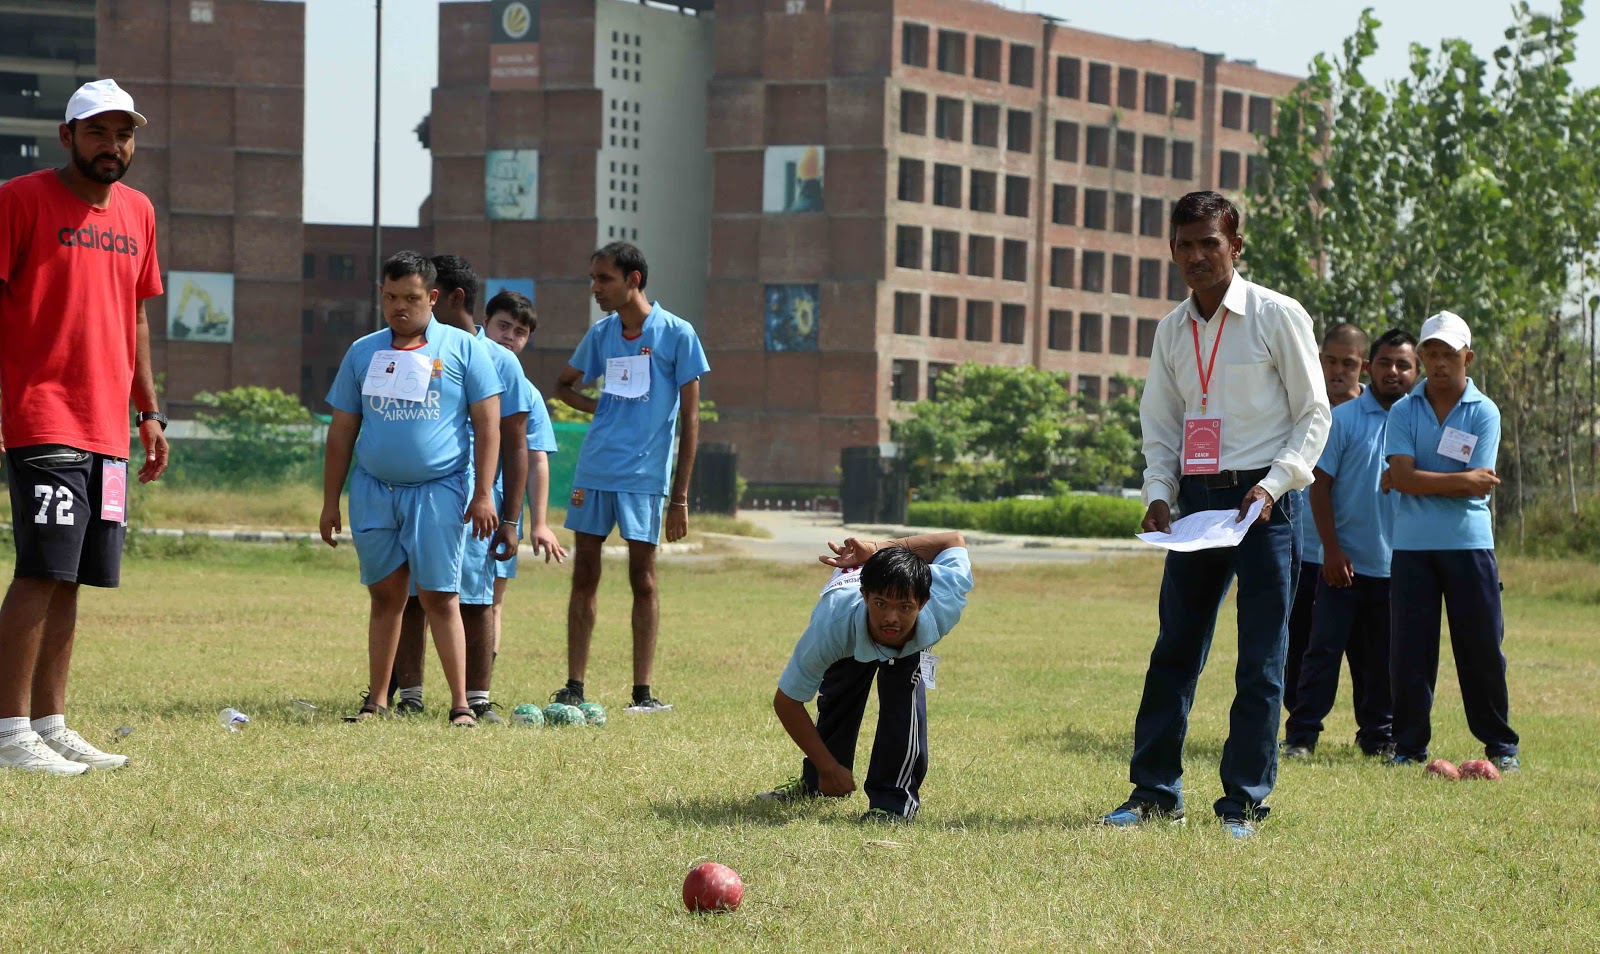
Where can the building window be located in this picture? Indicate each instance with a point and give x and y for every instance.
(1149, 278)
(946, 185)
(1261, 115)
(980, 256)
(1069, 74)
(1155, 93)
(1017, 196)
(1232, 110)
(1100, 83)
(1014, 260)
(986, 58)
(1066, 141)
(947, 119)
(1064, 204)
(1183, 160)
(941, 316)
(1128, 88)
(308, 321)
(1228, 170)
(946, 251)
(952, 52)
(903, 381)
(907, 313)
(986, 124)
(936, 372)
(1122, 213)
(1127, 146)
(913, 113)
(1093, 278)
(911, 171)
(1147, 337)
(1013, 324)
(1094, 209)
(981, 195)
(1089, 333)
(980, 320)
(1151, 218)
(1060, 335)
(1021, 73)
(1255, 173)
(308, 266)
(1117, 387)
(308, 380)
(1119, 334)
(914, 44)
(341, 320)
(1121, 275)
(1183, 99)
(1154, 162)
(341, 268)
(1097, 146)
(1177, 289)
(1089, 387)
(1019, 130)
(908, 246)
(1062, 262)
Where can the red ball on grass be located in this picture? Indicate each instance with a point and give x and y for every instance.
(712, 887)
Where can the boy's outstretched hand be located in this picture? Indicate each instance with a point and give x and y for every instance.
(854, 553)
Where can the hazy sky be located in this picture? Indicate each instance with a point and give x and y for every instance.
(1279, 35)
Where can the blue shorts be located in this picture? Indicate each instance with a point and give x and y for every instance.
(417, 525)
(478, 566)
(636, 516)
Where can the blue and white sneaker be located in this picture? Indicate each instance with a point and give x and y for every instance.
(1507, 764)
(1137, 811)
(1238, 826)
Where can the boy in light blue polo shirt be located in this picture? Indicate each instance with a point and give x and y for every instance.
(402, 401)
(886, 606)
(1442, 440)
(1354, 518)
(651, 362)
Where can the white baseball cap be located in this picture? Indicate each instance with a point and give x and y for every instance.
(1448, 327)
(101, 96)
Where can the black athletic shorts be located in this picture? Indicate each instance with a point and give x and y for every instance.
(55, 515)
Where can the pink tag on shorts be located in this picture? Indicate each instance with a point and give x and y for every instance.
(114, 491)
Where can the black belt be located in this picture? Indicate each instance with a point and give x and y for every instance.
(1230, 478)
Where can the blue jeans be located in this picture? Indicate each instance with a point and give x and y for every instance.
(1192, 589)
(1468, 581)
(1349, 621)
(1305, 598)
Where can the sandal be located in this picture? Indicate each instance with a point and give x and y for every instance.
(368, 710)
(458, 713)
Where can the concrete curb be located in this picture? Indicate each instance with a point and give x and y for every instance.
(979, 538)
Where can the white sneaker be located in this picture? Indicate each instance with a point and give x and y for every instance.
(29, 753)
(73, 747)
(649, 706)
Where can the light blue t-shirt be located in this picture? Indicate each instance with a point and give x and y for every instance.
(516, 396)
(1442, 523)
(413, 442)
(629, 444)
(541, 434)
(1310, 543)
(1363, 515)
(838, 627)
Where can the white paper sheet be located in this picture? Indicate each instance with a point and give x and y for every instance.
(1206, 530)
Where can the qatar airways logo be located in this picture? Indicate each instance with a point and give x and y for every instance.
(93, 236)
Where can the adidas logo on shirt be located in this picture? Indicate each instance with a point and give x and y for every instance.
(93, 236)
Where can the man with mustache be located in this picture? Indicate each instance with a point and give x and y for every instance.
(77, 261)
(1234, 412)
(1354, 520)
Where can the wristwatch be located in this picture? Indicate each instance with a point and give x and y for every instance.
(156, 416)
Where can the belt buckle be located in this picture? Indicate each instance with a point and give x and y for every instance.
(1222, 480)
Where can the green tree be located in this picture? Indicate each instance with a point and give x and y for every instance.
(259, 435)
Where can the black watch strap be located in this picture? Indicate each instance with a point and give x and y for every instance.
(156, 416)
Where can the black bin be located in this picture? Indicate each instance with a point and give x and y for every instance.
(714, 485)
(875, 487)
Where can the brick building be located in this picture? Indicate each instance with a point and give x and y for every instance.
(996, 189)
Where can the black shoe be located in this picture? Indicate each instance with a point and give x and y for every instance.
(1297, 753)
(1137, 811)
(486, 714)
(1384, 751)
(567, 696)
(882, 816)
(408, 708)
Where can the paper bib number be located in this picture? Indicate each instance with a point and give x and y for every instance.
(930, 665)
(400, 375)
(1457, 445)
(628, 377)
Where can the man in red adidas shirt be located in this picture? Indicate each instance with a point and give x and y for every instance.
(77, 261)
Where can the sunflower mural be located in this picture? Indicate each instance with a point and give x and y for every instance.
(791, 317)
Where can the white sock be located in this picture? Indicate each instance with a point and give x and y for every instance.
(477, 697)
(413, 694)
(11, 728)
(49, 725)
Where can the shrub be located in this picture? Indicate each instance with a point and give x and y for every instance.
(1073, 515)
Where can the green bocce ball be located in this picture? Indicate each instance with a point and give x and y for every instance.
(557, 714)
(593, 713)
(528, 714)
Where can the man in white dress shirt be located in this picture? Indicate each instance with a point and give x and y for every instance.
(1234, 411)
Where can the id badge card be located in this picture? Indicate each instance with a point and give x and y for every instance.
(399, 375)
(114, 491)
(930, 665)
(1202, 444)
(628, 377)
(1457, 445)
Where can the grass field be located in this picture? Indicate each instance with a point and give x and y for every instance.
(307, 834)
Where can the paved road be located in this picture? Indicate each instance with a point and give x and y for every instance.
(799, 537)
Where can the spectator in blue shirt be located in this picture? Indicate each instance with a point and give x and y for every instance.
(651, 362)
(887, 604)
(1442, 441)
(1354, 519)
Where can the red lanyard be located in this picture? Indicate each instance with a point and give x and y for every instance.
(1205, 373)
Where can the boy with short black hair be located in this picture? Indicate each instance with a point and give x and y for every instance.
(414, 491)
(1441, 441)
(886, 605)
